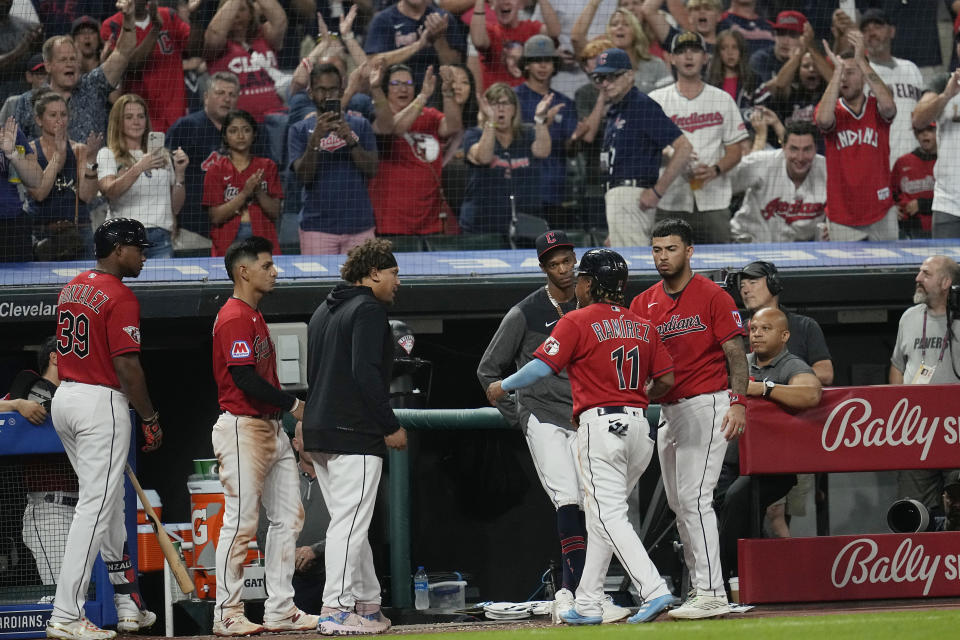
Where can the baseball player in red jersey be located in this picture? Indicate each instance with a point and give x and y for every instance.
(701, 328)
(98, 347)
(255, 455)
(610, 355)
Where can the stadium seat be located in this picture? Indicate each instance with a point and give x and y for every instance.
(467, 242)
(406, 244)
(526, 231)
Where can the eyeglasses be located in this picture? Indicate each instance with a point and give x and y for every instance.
(401, 83)
(327, 91)
(601, 78)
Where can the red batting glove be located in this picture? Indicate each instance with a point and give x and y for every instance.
(152, 434)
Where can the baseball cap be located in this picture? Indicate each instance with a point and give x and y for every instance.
(930, 125)
(686, 39)
(873, 15)
(613, 60)
(790, 21)
(759, 269)
(551, 240)
(539, 46)
(84, 21)
(35, 63)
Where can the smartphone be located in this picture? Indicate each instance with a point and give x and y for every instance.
(331, 105)
(155, 140)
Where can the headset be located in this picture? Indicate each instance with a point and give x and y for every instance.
(774, 283)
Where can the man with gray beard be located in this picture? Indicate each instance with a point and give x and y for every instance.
(924, 354)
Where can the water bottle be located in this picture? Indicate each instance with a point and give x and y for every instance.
(421, 589)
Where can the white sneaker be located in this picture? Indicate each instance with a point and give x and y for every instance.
(377, 620)
(612, 612)
(298, 621)
(130, 617)
(81, 629)
(563, 601)
(237, 625)
(701, 606)
(346, 623)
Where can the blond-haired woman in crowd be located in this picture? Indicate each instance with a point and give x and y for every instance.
(141, 183)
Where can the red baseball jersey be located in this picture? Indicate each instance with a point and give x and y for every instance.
(241, 337)
(609, 354)
(98, 318)
(405, 193)
(258, 94)
(912, 179)
(693, 327)
(858, 165)
(160, 80)
(223, 183)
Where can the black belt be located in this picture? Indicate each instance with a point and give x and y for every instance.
(603, 411)
(67, 501)
(695, 395)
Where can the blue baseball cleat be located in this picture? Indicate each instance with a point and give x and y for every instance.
(652, 608)
(572, 617)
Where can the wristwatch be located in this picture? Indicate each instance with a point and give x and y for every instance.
(768, 386)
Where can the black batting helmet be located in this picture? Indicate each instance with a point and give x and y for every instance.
(119, 231)
(607, 268)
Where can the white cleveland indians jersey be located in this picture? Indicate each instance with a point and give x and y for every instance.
(906, 84)
(774, 208)
(710, 121)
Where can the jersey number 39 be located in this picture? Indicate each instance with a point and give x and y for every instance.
(73, 333)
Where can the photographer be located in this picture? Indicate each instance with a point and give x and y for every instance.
(924, 354)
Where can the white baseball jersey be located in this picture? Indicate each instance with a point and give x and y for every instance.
(906, 83)
(711, 121)
(774, 208)
(946, 173)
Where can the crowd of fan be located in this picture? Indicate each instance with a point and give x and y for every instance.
(429, 118)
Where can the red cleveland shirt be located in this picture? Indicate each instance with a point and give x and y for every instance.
(98, 318)
(405, 193)
(258, 94)
(223, 183)
(241, 337)
(912, 179)
(160, 81)
(858, 165)
(609, 354)
(491, 60)
(693, 327)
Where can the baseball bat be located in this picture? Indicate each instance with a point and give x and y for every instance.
(166, 546)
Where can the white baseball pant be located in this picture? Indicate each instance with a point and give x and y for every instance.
(349, 485)
(553, 450)
(93, 423)
(256, 464)
(691, 449)
(611, 463)
(45, 527)
(628, 224)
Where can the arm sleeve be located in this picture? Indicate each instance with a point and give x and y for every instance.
(745, 174)
(527, 375)
(274, 186)
(817, 349)
(734, 128)
(212, 196)
(367, 350)
(251, 383)
(899, 357)
(297, 142)
(123, 327)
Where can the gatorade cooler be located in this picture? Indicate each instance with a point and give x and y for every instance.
(206, 505)
(149, 555)
(155, 502)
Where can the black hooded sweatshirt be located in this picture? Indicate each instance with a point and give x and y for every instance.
(349, 364)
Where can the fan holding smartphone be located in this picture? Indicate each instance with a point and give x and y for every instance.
(333, 154)
(140, 178)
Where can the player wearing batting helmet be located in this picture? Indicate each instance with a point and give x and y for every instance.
(610, 355)
(256, 459)
(98, 355)
(543, 410)
(701, 328)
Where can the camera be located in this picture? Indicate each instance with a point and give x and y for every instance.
(909, 516)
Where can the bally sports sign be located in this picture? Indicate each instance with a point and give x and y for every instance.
(878, 428)
(881, 428)
(864, 567)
